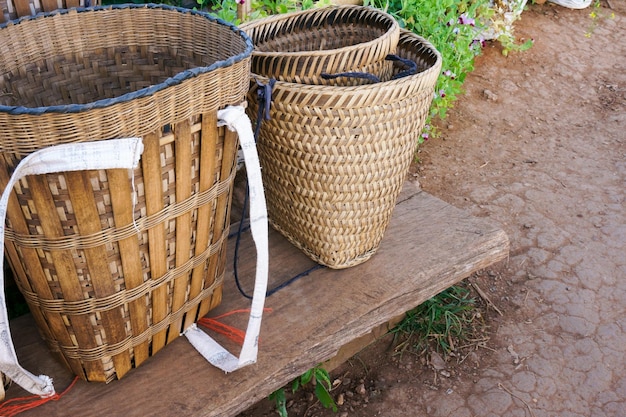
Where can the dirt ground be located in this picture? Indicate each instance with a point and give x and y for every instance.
(538, 145)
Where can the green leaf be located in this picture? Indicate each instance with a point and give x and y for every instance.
(322, 377)
(306, 377)
(295, 385)
(322, 394)
(278, 397)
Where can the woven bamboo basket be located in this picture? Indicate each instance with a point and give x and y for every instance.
(115, 264)
(334, 158)
(300, 46)
(13, 9)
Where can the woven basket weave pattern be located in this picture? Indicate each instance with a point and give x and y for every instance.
(114, 265)
(298, 47)
(334, 158)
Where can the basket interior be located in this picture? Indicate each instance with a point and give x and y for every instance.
(82, 57)
(310, 32)
(321, 38)
(416, 49)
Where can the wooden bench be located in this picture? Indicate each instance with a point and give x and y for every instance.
(428, 247)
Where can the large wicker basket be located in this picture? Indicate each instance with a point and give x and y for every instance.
(114, 265)
(334, 158)
(300, 46)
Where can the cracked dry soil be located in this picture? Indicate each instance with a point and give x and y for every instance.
(538, 145)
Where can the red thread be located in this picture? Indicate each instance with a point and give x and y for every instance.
(15, 406)
(233, 333)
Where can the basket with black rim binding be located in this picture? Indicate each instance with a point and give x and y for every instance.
(334, 158)
(299, 46)
(114, 264)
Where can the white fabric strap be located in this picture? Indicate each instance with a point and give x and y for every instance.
(573, 4)
(234, 117)
(106, 154)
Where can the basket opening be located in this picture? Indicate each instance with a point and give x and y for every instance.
(339, 28)
(321, 38)
(102, 58)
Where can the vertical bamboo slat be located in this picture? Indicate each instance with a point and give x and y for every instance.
(221, 223)
(208, 148)
(49, 5)
(121, 201)
(22, 8)
(182, 175)
(153, 184)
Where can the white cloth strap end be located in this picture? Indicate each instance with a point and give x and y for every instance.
(215, 354)
(235, 119)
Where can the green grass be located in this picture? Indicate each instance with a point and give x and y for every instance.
(439, 321)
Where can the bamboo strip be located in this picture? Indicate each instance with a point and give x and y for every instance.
(221, 223)
(88, 221)
(182, 177)
(121, 200)
(208, 155)
(49, 5)
(153, 185)
(67, 277)
(22, 8)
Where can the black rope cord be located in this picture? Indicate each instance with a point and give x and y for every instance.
(410, 68)
(264, 93)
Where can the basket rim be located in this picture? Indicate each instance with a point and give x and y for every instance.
(144, 92)
(404, 36)
(394, 25)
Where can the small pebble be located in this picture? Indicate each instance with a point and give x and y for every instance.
(490, 95)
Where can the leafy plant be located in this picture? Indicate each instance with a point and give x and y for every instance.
(502, 14)
(318, 376)
(452, 26)
(439, 319)
(227, 9)
(596, 15)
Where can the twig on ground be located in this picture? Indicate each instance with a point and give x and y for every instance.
(530, 410)
(486, 298)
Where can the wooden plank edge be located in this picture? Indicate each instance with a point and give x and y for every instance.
(324, 351)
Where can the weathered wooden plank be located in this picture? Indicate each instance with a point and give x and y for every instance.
(428, 246)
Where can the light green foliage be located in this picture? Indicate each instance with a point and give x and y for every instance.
(227, 9)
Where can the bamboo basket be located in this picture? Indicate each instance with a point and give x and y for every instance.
(300, 46)
(13, 9)
(334, 158)
(115, 264)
